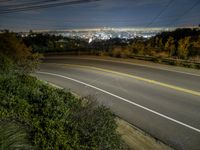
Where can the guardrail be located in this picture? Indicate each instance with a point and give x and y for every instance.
(170, 61)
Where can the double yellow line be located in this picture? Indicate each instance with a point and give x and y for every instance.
(138, 78)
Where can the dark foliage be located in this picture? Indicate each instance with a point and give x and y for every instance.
(56, 120)
(13, 48)
(34, 115)
(181, 43)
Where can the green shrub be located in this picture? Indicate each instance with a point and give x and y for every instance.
(13, 48)
(120, 52)
(14, 136)
(56, 119)
(6, 65)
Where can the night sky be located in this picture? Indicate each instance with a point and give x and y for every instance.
(102, 13)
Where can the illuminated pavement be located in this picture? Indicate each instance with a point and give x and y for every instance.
(163, 102)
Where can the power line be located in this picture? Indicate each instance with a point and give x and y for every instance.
(96, 19)
(83, 1)
(5, 0)
(160, 13)
(46, 6)
(185, 12)
(9, 7)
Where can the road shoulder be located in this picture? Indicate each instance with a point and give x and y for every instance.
(133, 137)
(137, 139)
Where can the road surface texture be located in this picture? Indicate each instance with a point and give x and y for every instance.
(159, 100)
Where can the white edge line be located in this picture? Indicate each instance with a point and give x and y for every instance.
(134, 64)
(123, 99)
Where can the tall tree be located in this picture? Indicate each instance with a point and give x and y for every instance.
(170, 46)
(183, 46)
(14, 48)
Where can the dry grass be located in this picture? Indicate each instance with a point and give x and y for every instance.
(137, 139)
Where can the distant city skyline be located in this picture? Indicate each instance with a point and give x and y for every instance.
(85, 14)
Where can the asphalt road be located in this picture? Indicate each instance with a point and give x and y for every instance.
(161, 101)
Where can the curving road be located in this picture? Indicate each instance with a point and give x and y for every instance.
(162, 100)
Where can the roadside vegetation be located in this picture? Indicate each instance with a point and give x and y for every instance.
(181, 43)
(34, 115)
(179, 47)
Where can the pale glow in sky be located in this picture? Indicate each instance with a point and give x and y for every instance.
(102, 13)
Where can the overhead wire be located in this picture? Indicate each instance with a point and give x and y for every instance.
(45, 5)
(25, 4)
(174, 21)
(5, 0)
(49, 5)
(160, 13)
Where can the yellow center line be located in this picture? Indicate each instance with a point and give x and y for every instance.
(138, 78)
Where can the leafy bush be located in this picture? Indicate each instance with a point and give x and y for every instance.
(14, 49)
(14, 136)
(56, 119)
(6, 65)
(121, 52)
